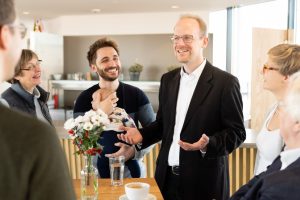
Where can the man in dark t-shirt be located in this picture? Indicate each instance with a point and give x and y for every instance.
(103, 57)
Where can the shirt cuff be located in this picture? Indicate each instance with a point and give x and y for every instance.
(202, 153)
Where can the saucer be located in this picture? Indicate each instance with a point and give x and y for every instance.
(150, 197)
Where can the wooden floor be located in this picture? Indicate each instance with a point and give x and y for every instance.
(241, 163)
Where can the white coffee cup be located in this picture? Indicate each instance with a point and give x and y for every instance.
(137, 190)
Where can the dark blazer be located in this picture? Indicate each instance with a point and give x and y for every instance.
(273, 184)
(216, 110)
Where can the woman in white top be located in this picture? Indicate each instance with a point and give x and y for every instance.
(283, 61)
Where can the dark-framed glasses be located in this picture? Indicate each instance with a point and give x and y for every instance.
(32, 66)
(185, 38)
(266, 68)
(21, 27)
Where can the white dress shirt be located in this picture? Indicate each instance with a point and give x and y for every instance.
(287, 157)
(187, 87)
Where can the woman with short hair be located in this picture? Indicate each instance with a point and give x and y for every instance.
(25, 94)
(283, 61)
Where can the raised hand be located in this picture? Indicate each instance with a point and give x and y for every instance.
(131, 136)
(201, 144)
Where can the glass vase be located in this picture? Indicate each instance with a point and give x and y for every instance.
(89, 180)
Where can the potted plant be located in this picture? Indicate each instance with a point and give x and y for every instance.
(134, 71)
(172, 67)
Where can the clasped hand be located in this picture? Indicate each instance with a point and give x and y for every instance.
(107, 105)
(125, 150)
(132, 136)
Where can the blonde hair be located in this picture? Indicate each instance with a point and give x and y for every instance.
(200, 21)
(286, 57)
(292, 101)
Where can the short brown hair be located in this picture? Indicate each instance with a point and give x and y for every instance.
(102, 42)
(286, 57)
(7, 12)
(200, 21)
(26, 56)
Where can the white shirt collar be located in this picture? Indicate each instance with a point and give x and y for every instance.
(196, 73)
(287, 157)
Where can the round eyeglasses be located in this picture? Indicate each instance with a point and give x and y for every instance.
(32, 66)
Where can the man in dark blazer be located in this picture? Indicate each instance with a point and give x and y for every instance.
(282, 178)
(199, 121)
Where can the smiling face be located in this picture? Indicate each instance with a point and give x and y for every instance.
(107, 64)
(189, 52)
(30, 75)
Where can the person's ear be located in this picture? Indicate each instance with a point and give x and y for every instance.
(4, 37)
(93, 68)
(204, 42)
(296, 127)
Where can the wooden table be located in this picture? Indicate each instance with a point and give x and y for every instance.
(108, 192)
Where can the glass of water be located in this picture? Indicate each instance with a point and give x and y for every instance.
(116, 165)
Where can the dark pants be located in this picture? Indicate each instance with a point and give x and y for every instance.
(171, 189)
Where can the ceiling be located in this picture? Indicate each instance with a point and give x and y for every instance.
(47, 9)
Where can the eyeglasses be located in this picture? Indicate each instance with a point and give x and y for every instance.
(32, 66)
(22, 28)
(185, 38)
(266, 68)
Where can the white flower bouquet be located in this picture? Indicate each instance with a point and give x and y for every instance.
(86, 131)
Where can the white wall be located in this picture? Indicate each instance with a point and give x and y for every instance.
(117, 24)
(4, 86)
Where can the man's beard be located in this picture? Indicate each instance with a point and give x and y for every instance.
(103, 73)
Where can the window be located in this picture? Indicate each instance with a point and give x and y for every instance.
(271, 14)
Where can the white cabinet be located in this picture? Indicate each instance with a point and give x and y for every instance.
(146, 86)
(49, 48)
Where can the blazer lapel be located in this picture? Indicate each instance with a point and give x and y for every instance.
(173, 95)
(202, 88)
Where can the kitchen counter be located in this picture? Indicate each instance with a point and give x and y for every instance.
(146, 86)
